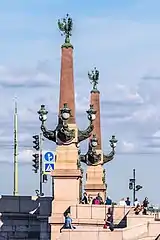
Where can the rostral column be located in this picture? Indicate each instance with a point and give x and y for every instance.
(95, 158)
(67, 173)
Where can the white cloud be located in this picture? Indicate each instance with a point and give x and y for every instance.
(24, 77)
(127, 147)
(157, 134)
(146, 114)
(127, 93)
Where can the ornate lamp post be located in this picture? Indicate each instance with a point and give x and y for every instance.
(62, 134)
(92, 158)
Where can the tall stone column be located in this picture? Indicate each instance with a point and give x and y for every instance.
(66, 172)
(95, 174)
(67, 94)
(95, 158)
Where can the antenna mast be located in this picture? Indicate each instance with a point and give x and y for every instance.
(15, 191)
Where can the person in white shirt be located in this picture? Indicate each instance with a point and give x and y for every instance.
(136, 202)
(122, 202)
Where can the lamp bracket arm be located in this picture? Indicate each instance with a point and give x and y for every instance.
(107, 158)
(83, 135)
(49, 134)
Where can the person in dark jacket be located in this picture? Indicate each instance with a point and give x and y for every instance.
(85, 198)
(145, 206)
(108, 201)
(128, 202)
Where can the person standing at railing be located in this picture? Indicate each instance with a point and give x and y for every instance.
(136, 202)
(97, 200)
(145, 206)
(85, 198)
(128, 202)
(122, 202)
(90, 199)
(108, 201)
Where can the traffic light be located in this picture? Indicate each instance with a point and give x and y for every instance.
(35, 162)
(130, 186)
(138, 187)
(36, 142)
(45, 179)
(131, 182)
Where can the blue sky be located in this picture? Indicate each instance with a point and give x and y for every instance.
(122, 39)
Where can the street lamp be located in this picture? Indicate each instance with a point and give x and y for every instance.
(94, 141)
(63, 133)
(65, 112)
(91, 113)
(42, 114)
(113, 142)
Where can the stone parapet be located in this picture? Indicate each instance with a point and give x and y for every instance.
(66, 173)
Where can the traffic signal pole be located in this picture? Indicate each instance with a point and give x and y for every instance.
(38, 161)
(40, 165)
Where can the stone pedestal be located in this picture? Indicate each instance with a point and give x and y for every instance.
(67, 182)
(94, 181)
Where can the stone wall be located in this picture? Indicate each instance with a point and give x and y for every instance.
(24, 218)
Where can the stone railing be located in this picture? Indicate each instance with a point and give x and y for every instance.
(97, 212)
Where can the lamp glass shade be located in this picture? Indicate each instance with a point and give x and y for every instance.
(65, 115)
(94, 143)
(43, 117)
(93, 116)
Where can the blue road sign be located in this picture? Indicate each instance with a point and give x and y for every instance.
(49, 157)
(48, 167)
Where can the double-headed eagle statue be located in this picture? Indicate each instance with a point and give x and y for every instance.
(65, 26)
(94, 77)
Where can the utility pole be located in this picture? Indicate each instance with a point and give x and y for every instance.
(15, 190)
(134, 185)
(40, 165)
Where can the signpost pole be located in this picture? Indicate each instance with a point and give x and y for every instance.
(40, 167)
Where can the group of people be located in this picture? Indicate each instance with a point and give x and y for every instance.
(125, 202)
(138, 208)
(87, 199)
(108, 221)
(141, 208)
(98, 200)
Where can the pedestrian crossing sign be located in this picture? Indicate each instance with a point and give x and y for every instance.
(48, 167)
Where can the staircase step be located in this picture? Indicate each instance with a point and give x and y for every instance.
(147, 238)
